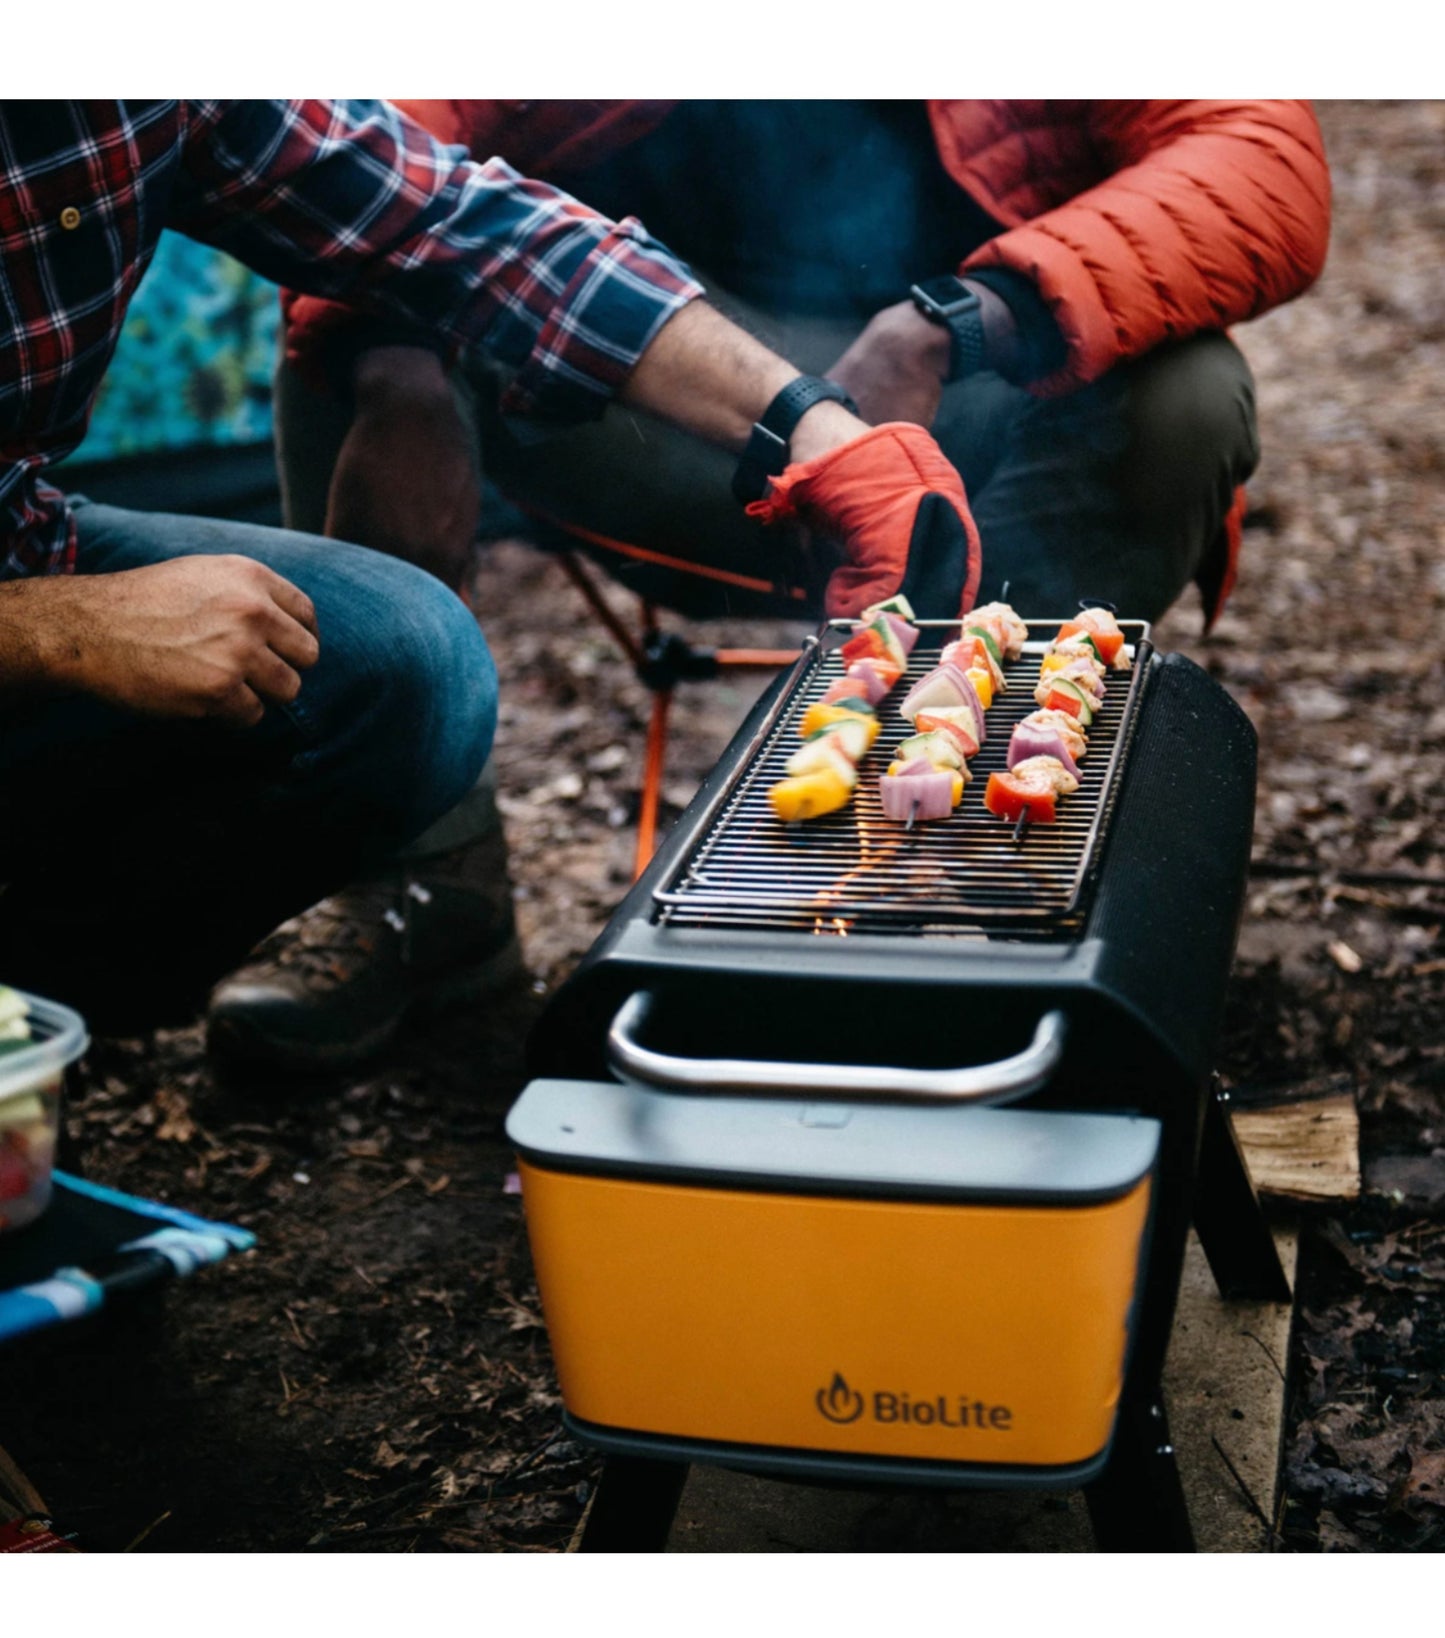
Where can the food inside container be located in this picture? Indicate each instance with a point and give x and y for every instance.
(38, 1040)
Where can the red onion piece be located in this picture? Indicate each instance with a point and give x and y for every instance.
(874, 686)
(970, 698)
(846, 688)
(1027, 742)
(945, 685)
(919, 796)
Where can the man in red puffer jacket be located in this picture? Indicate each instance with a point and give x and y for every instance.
(1091, 234)
(1045, 285)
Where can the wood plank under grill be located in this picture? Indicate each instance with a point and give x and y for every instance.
(855, 871)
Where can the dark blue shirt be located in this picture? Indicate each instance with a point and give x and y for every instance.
(805, 207)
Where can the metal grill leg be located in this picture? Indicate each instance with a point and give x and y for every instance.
(634, 1506)
(1137, 1504)
(1228, 1217)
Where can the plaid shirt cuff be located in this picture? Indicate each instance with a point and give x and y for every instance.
(615, 302)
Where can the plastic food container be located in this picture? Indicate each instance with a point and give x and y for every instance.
(30, 1080)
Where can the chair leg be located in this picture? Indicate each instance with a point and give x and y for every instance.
(652, 781)
(597, 603)
(657, 670)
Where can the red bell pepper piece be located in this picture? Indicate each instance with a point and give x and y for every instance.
(1007, 797)
(1108, 643)
(865, 645)
(1058, 700)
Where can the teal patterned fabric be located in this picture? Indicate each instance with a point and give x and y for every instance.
(193, 367)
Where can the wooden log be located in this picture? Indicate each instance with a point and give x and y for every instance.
(17, 1495)
(1305, 1151)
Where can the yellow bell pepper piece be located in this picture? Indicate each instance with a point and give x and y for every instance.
(809, 795)
(819, 716)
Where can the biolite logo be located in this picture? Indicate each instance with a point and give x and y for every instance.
(838, 1402)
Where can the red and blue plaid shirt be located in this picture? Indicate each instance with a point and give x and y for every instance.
(344, 199)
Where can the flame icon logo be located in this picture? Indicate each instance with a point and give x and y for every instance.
(838, 1402)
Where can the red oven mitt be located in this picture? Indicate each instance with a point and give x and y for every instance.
(897, 508)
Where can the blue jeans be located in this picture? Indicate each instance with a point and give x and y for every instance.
(144, 856)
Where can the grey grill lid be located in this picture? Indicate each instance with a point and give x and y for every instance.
(1031, 1156)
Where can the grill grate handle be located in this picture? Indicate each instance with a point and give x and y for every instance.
(1001, 1082)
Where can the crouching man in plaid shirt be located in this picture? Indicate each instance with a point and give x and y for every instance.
(206, 726)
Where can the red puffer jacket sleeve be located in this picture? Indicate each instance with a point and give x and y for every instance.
(535, 137)
(1211, 213)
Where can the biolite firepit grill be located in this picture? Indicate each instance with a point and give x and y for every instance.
(864, 1153)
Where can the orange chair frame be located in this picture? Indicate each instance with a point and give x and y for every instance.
(636, 648)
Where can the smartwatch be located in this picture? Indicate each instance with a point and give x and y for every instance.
(948, 301)
(767, 451)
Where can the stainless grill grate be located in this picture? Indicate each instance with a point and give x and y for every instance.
(856, 872)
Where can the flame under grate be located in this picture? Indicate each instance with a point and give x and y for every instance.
(856, 872)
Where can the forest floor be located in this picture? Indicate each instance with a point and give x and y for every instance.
(375, 1375)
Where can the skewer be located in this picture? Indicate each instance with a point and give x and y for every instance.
(912, 814)
(1021, 825)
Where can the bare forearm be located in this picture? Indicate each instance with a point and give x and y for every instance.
(713, 379)
(37, 636)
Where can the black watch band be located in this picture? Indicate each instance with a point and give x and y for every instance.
(948, 301)
(767, 451)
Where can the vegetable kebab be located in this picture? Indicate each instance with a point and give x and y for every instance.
(929, 771)
(839, 728)
(1048, 745)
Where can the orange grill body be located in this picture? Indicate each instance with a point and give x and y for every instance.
(813, 1304)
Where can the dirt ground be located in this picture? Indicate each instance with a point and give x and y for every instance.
(375, 1375)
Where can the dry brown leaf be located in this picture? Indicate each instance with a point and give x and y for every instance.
(367, 1148)
(176, 1125)
(1426, 1483)
(519, 1317)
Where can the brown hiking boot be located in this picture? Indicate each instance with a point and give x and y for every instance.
(332, 986)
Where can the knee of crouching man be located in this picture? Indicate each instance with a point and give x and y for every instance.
(1194, 435)
(435, 704)
(457, 719)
